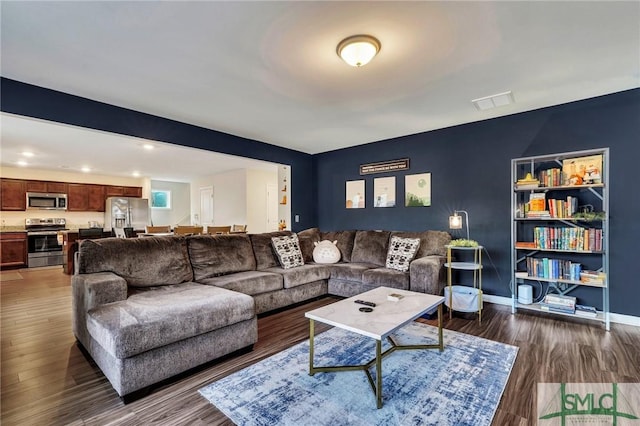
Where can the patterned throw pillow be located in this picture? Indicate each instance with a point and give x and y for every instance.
(401, 252)
(288, 250)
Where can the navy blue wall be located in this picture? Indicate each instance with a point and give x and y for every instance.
(33, 101)
(469, 166)
(470, 170)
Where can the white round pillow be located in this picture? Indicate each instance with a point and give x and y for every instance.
(326, 252)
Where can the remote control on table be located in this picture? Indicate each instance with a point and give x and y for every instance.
(363, 302)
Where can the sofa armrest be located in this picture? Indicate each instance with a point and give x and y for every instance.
(89, 291)
(427, 275)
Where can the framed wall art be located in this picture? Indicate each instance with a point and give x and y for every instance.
(355, 194)
(384, 192)
(417, 190)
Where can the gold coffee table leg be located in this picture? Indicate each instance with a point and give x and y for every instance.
(311, 333)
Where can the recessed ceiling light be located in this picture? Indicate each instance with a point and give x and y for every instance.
(148, 146)
(136, 174)
(86, 169)
(22, 163)
(27, 153)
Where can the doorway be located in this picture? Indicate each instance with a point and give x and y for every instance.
(206, 206)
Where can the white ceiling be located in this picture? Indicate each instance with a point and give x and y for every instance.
(269, 71)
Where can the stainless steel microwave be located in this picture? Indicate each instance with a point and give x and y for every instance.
(41, 201)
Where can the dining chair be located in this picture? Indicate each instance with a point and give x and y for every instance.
(213, 230)
(157, 229)
(238, 229)
(188, 230)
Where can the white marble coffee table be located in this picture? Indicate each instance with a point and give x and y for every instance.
(387, 316)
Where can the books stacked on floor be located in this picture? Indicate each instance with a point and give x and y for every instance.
(592, 277)
(586, 311)
(559, 303)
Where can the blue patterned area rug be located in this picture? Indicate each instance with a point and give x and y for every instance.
(460, 386)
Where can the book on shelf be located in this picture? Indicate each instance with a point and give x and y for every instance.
(582, 170)
(538, 214)
(567, 238)
(528, 182)
(553, 269)
(536, 202)
(559, 309)
(526, 245)
(586, 311)
(560, 300)
(550, 177)
(592, 277)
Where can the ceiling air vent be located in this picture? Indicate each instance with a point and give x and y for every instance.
(497, 100)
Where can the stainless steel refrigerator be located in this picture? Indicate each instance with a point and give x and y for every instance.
(122, 212)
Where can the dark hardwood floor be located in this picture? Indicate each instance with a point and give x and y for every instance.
(47, 380)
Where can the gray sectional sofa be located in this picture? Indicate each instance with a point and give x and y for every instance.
(146, 309)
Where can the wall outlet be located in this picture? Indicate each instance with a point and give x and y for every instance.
(297, 218)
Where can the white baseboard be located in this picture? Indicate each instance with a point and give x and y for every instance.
(616, 318)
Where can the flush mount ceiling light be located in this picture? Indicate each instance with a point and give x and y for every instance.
(358, 50)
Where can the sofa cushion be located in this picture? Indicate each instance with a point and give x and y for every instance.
(350, 271)
(249, 282)
(288, 251)
(263, 249)
(304, 274)
(370, 247)
(215, 255)
(142, 262)
(386, 277)
(431, 242)
(307, 238)
(156, 317)
(401, 252)
(344, 242)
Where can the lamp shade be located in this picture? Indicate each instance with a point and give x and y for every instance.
(455, 221)
(358, 50)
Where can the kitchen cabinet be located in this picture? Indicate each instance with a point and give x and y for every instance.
(46, 187)
(123, 191)
(13, 194)
(133, 191)
(113, 191)
(85, 197)
(13, 249)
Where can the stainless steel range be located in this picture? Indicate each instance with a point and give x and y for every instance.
(42, 236)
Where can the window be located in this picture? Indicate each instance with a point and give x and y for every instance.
(160, 199)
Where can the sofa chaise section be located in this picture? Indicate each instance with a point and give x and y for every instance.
(142, 323)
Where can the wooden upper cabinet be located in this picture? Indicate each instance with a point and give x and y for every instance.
(95, 201)
(13, 194)
(85, 197)
(78, 197)
(47, 187)
(132, 191)
(113, 191)
(122, 191)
